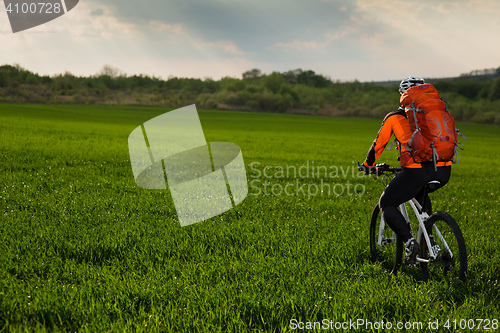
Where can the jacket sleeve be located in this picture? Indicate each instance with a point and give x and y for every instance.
(395, 124)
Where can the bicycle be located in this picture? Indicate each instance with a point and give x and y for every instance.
(442, 245)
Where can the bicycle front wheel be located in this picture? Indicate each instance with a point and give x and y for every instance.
(448, 242)
(385, 245)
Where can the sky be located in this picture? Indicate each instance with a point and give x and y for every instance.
(366, 40)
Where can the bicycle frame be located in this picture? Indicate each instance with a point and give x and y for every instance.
(422, 232)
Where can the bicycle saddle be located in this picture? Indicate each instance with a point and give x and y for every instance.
(432, 185)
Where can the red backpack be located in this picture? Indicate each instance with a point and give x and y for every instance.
(434, 135)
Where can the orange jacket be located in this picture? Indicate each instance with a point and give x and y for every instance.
(394, 123)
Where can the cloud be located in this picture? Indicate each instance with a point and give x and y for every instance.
(253, 25)
(101, 23)
(362, 39)
(97, 12)
(227, 46)
(316, 45)
(160, 26)
(434, 36)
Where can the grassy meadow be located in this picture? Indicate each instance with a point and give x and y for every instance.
(83, 249)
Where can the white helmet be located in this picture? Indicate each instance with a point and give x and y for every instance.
(409, 82)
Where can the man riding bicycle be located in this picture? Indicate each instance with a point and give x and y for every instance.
(411, 181)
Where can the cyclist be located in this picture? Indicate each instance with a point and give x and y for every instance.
(411, 181)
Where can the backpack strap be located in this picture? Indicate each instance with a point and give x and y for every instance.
(417, 129)
(435, 156)
(463, 136)
(414, 110)
(411, 138)
(459, 145)
(455, 153)
(407, 147)
(392, 144)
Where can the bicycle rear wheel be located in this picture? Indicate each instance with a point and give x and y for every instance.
(448, 239)
(385, 245)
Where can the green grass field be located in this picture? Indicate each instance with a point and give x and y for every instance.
(82, 248)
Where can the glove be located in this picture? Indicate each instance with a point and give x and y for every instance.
(363, 168)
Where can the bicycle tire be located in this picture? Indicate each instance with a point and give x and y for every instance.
(451, 267)
(390, 254)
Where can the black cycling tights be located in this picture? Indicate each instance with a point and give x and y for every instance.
(409, 184)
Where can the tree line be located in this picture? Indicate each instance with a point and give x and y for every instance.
(470, 97)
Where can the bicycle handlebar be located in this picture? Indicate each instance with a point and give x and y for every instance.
(386, 168)
(380, 169)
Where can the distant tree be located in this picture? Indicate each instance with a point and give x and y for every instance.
(192, 85)
(4, 79)
(173, 83)
(232, 84)
(286, 90)
(6, 73)
(468, 88)
(311, 78)
(64, 82)
(273, 82)
(252, 74)
(13, 76)
(108, 70)
(444, 86)
(292, 76)
(495, 90)
(210, 86)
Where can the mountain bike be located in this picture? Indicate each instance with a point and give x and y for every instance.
(442, 245)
